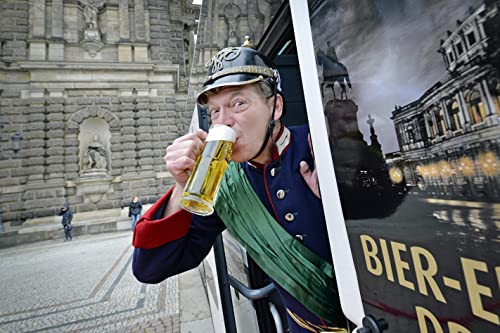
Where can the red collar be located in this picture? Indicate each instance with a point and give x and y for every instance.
(283, 141)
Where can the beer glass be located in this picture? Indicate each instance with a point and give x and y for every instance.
(202, 187)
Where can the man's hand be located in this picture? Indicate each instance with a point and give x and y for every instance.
(180, 159)
(310, 177)
(181, 155)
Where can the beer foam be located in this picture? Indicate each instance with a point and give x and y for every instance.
(221, 133)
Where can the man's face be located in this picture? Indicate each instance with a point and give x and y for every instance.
(248, 112)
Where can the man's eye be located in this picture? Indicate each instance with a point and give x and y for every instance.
(238, 104)
(212, 112)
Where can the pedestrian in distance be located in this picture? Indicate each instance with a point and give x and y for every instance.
(135, 210)
(67, 216)
(271, 196)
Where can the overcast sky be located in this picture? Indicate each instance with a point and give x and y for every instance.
(390, 50)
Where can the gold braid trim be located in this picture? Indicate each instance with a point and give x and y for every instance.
(312, 327)
(248, 69)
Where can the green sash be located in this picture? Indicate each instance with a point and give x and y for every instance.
(302, 273)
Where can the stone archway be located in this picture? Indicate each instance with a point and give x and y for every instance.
(79, 116)
(90, 130)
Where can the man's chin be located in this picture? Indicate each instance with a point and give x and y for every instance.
(239, 158)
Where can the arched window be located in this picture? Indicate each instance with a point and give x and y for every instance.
(453, 111)
(476, 107)
(411, 135)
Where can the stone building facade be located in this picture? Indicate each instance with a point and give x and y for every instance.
(449, 138)
(92, 91)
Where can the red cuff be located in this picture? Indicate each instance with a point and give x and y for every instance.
(150, 233)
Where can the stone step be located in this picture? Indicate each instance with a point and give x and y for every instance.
(47, 228)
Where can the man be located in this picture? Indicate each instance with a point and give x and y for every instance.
(67, 217)
(269, 199)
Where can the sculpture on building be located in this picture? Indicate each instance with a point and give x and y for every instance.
(333, 71)
(91, 30)
(90, 15)
(95, 156)
(91, 35)
(231, 13)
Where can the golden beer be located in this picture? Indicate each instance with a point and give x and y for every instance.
(203, 185)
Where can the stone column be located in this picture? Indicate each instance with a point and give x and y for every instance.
(144, 137)
(416, 133)
(55, 135)
(426, 122)
(34, 159)
(215, 27)
(435, 123)
(140, 28)
(56, 44)
(38, 20)
(447, 120)
(37, 45)
(124, 48)
(124, 20)
(57, 18)
(127, 132)
(488, 100)
(462, 105)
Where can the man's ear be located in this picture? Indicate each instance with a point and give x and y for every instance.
(279, 106)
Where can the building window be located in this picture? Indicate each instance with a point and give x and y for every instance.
(476, 107)
(451, 58)
(432, 128)
(460, 48)
(471, 38)
(454, 117)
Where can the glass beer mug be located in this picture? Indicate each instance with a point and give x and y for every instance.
(203, 185)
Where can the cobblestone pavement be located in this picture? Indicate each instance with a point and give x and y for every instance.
(85, 285)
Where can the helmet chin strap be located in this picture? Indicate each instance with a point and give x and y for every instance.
(270, 127)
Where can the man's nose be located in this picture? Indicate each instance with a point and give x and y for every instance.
(226, 117)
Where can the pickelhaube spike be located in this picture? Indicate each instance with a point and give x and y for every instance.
(247, 42)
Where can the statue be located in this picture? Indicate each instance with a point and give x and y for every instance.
(90, 15)
(95, 156)
(232, 40)
(91, 30)
(333, 72)
(231, 13)
(330, 51)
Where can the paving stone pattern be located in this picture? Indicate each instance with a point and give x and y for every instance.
(85, 285)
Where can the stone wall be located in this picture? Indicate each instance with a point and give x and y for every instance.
(74, 71)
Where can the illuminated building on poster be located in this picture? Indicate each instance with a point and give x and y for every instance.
(449, 137)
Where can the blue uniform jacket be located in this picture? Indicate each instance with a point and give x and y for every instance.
(165, 249)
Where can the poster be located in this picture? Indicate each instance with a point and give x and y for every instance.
(411, 99)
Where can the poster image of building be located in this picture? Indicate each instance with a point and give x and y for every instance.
(449, 136)
(411, 98)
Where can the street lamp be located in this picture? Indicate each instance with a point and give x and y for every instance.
(488, 163)
(15, 143)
